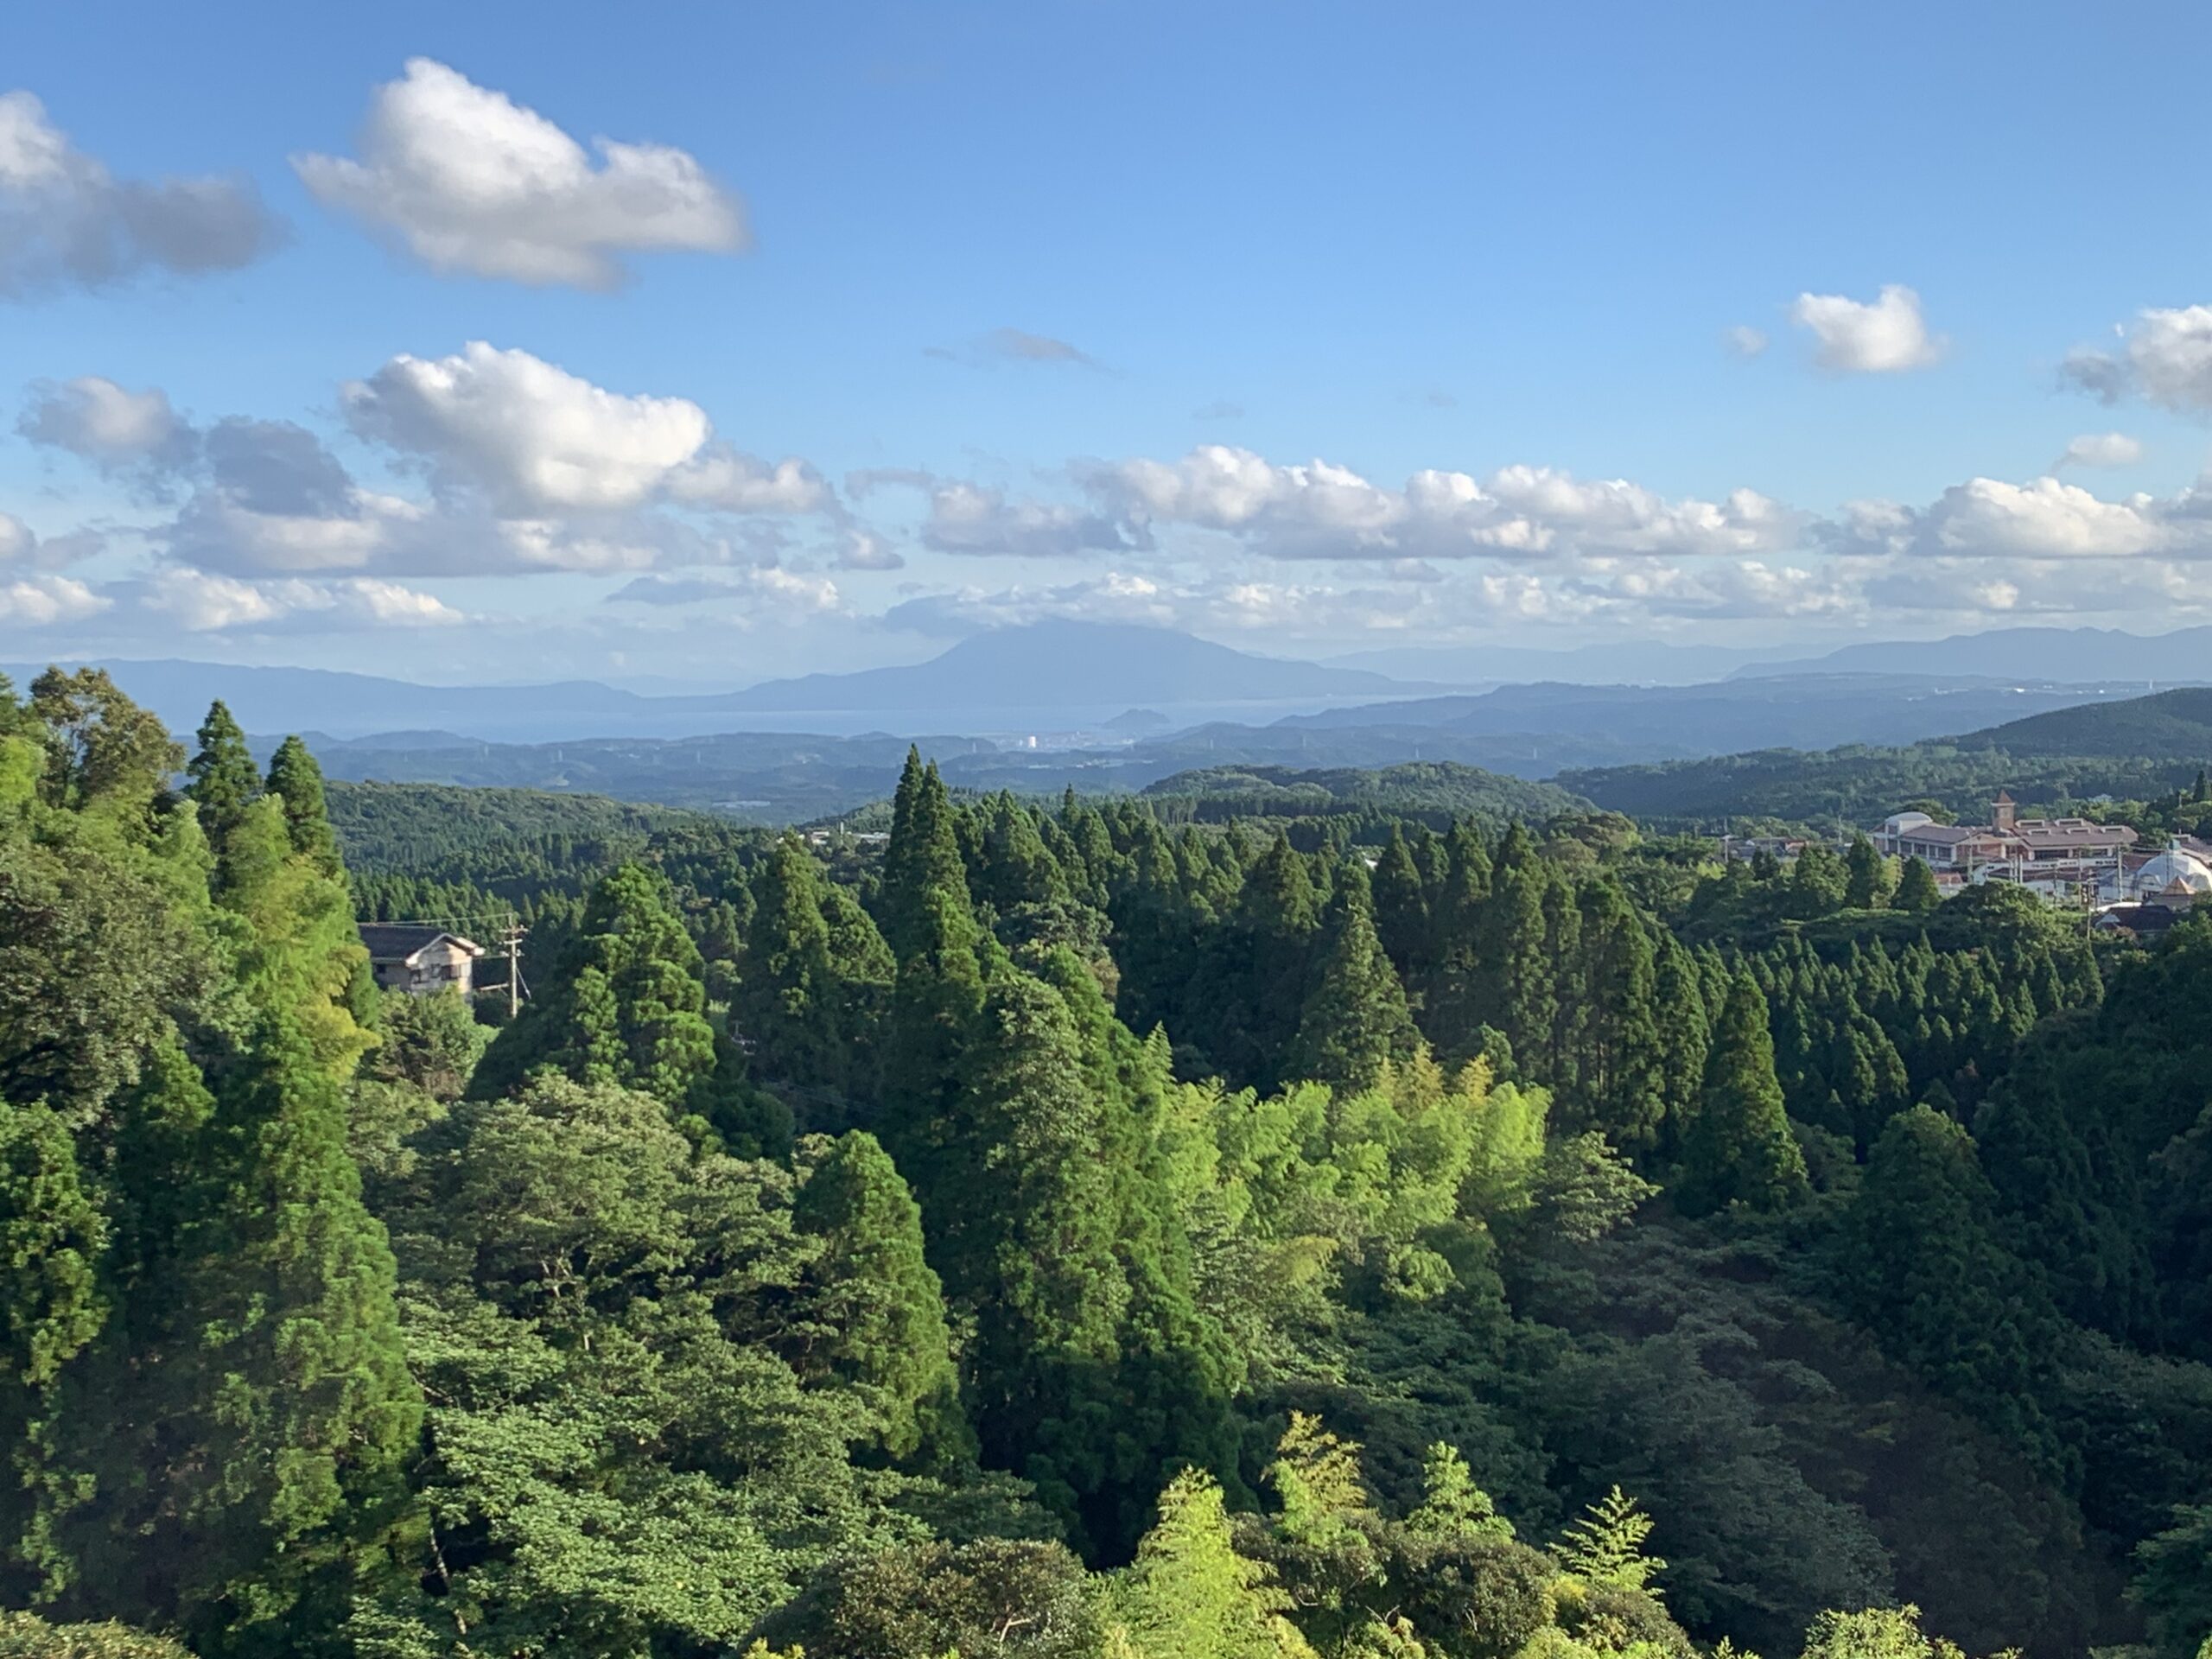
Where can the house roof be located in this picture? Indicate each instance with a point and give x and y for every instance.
(401, 941)
(1944, 835)
(2072, 832)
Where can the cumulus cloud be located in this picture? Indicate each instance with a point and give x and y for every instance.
(533, 436)
(474, 183)
(969, 518)
(1321, 509)
(1854, 337)
(41, 602)
(66, 221)
(200, 602)
(2045, 519)
(2166, 357)
(115, 429)
(1985, 587)
(2100, 449)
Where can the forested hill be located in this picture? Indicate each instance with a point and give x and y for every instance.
(2138, 749)
(386, 827)
(1442, 788)
(2173, 726)
(1065, 1234)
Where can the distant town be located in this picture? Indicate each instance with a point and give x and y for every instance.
(2075, 862)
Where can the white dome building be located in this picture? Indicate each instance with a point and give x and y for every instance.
(2172, 872)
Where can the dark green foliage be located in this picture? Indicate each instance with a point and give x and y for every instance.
(1738, 1148)
(2173, 1584)
(1916, 891)
(1024, 1599)
(1922, 1262)
(639, 1373)
(224, 781)
(1866, 877)
(1354, 1022)
(875, 1310)
(627, 1005)
(296, 780)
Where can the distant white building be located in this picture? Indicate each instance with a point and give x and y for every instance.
(2062, 859)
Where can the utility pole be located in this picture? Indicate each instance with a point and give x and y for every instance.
(514, 965)
(510, 938)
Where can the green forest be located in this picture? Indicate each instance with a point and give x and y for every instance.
(1344, 1226)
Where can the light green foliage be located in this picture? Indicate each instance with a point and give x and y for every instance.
(1190, 1595)
(1317, 1481)
(26, 1635)
(1605, 1546)
(1875, 1633)
(296, 780)
(290, 920)
(1452, 1505)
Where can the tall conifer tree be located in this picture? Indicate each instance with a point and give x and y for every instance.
(1738, 1149)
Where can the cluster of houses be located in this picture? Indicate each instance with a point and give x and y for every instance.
(2076, 862)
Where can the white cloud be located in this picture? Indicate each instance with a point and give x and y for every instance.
(1319, 509)
(201, 602)
(729, 480)
(40, 602)
(1985, 587)
(1745, 340)
(968, 518)
(1857, 338)
(532, 436)
(2046, 518)
(66, 221)
(473, 182)
(2166, 357)
(2100, 449)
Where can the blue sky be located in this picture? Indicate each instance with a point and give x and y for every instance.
(1311, 328)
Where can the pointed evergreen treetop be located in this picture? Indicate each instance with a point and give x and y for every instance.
(223, 779)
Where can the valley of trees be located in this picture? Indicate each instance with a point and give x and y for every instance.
(1097, 1231)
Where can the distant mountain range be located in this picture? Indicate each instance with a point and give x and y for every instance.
(2076, 655)
(1122, 683)
(2035, 654)
(1047, 677)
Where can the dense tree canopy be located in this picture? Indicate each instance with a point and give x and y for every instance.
(1093, 1231)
